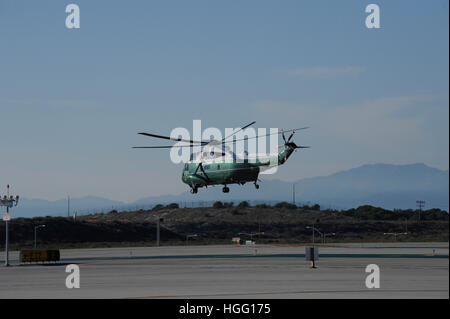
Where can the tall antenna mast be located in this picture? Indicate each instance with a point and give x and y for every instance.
(420, 204)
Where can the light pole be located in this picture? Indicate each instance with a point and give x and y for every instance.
(251, 234)
(157, 230)
(8, 201)
(190, 236)
(35, 231)
(313, 250)
(395, 234)
(315, 229)
(327, 234)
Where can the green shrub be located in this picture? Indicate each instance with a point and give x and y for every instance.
(158, 207)
(286, 205)
(218, 204)
(243, 204)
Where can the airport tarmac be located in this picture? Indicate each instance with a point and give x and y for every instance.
(407, 270)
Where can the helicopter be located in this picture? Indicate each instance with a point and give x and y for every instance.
(217, 164)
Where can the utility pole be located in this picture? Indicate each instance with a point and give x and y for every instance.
(420, 204)
(293, 192)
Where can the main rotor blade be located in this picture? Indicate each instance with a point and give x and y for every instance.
(166, 146)
(205, 143)
(292, 134)
(268, 134)
(242, 128)
(280, 146)
(172, 138)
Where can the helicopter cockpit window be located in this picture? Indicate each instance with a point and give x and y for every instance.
(215, 154)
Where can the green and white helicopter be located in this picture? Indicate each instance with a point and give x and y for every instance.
(217, 164)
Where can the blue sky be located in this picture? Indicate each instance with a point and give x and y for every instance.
(72, 101)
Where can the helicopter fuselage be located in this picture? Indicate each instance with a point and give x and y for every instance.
(217, 164)
(218, 173)
(223, 170)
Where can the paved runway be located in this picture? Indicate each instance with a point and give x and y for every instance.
(413, 270)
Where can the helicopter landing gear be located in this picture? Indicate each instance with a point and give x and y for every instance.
(194, 190)
(256, 186)
(225, 189)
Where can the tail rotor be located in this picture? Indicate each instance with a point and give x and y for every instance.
(289, 143)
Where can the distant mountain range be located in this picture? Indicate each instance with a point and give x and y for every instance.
(383, 185)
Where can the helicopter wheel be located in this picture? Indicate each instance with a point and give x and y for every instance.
(256, 186)
(194, 190)
(225, 189)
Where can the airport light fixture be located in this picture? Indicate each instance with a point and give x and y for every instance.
(190, 236)
(314, 229)
(395, 234)
(35, 231)
(9, 201)
(327, 234)
(251, 234)
(323, 235)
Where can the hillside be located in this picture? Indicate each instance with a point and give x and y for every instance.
(282, 224)
(383, 185)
